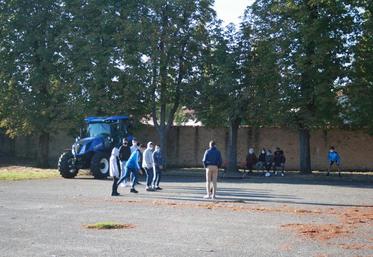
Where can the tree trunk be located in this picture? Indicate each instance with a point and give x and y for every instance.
(162, 132)
(304, 154)
(43, 150)
(232, 145)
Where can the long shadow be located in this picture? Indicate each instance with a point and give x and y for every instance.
(255, 201)
(234, 195)
(363, 181)
(196, 196)
(228, 194)
(354, 181)
(234, 192)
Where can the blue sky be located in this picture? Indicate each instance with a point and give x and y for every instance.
(231, 10)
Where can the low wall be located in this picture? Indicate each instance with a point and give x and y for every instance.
(186, 145)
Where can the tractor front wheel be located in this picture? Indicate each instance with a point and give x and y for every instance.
(66, 165)
(100, 165)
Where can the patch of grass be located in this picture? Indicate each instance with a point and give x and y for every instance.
(109, 225)
(26, 174)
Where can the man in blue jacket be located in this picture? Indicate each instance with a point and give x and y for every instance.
(211, 161)
(333, 158)
(132, 166)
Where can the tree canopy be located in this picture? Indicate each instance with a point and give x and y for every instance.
(302, 64)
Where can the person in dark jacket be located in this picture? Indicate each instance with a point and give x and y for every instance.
(124, 154)
(251, 160)
(269, 162)
(261, 164)
(157, 167)
(279, 161)
(211, 161)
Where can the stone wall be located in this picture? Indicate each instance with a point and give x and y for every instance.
(186, 145)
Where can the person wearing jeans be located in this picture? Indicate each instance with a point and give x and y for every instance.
(147, 164)
(157, 167)
(211, 161)
(334, 158)
(132, 167)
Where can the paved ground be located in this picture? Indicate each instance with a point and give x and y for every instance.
(258, 216)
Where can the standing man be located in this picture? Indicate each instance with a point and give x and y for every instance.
(157, 167)
(211, 161)
(333, 158)
(147, 164)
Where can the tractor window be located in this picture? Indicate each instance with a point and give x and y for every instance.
(99, 129)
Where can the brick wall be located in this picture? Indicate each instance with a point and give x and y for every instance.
(186, 145)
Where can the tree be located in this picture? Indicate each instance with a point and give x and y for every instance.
(310, 39)
(35, 96)
(171, 43)
(103, 57)
(222, 97)
(359, 90)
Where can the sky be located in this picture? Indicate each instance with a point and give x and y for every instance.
(231, 10)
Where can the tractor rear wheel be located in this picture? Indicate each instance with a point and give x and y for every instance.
(66, 165)
(100, 165)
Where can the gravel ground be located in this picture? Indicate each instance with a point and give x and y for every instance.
(258, 216)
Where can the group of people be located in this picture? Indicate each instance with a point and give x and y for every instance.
(127, 162)
(266, 160)
(276, 161)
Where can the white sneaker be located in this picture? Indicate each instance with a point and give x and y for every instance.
(268, 174)
(282, 174)
(206, 197)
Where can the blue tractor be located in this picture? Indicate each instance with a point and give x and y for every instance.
(93, 151)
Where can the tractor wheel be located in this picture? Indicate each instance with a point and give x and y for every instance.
(100, 165)
(66, 165)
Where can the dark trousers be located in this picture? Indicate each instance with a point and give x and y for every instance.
(158, 175)
(115, 186)
(268, 166)
(279, 167)
(114, 189)
(149, 176)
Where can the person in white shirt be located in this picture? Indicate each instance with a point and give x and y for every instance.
(147, 164)
(114, 170)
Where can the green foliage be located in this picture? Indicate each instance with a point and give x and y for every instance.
(309, 40)
(35, 95)
(220, 96)
(293, 63)
(358, 93)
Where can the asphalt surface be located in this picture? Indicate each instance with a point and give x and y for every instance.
(47, 217)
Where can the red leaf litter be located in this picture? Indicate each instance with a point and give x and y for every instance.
(349, 220)
(319, 232)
